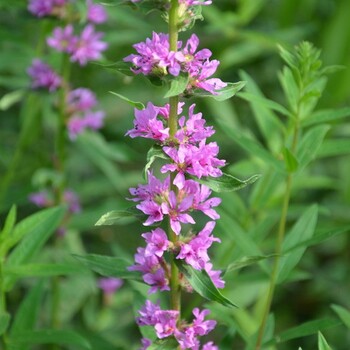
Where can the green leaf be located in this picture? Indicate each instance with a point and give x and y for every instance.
(153, 153)
(28, 311)
(108, 266)
(325, 116)
(202, 284)
(120, 66)
(303, 229)
(177, 85)
(113, 217)
(9, 224)
(43, 270)
(224, 94)
(310, 144)
(287, 56)
(138, 105)
(36, 230)
(322, 343)
(343, 314)
(304, 329)
(290, 160)
(164, 344)
(4, 322)
(335, 147)
(290, 88)
(246, 261)
(11, 98)
(49, 336)
(226, 182)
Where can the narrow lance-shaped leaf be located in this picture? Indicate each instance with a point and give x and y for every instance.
(164, 344)
(154, 152)
(9, 224)
(138, 105)
(177, 85)
(221, 95)
(322, 342)
(226, 182)
(290, 160)
(246, 261)
(108, 266)
(113, 217)
(202, 284)
(4, 322)
(343, 314)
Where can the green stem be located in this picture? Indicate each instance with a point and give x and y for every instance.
(2, 303)
(175, 290)
(279, 244)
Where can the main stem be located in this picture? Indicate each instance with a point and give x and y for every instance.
(279, 243)
(175, 290)
(2, 303)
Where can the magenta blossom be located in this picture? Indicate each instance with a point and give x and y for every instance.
(41, 8)
(157, 242)
(87, 46)
(41, 199)
(43, 76)
(166, 323)
(89, 120)
(110, 285)
(63, 39)
(96, 13)
(81, 99)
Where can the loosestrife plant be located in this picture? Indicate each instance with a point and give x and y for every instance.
(76, 106)
(173, 259)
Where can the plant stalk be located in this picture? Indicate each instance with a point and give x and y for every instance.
(279, 243)
(175, 290)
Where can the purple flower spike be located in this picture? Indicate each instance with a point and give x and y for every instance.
(148, 314)
(80, 100)
(110, 285)
(166, 323)
(43, 76)
(88, 46)
(96, 13)
(157, 242)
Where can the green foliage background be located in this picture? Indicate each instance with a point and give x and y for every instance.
(244, 36)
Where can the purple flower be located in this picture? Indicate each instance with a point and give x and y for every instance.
(195, 2)
(210, 346)
(147, 125)
(146, 343)
(41, 8)
(154, 57)
(96, 13)
(76, 125)
(89, 120)
(43, 76)
(166, 323)
(214, 275)
(144, 264)
(202, 203)
(110, 285)
(88, 46)
(157, 242)
(72, 200)
(187, 338)
(81, 99)
(157, 280)
(63, 39)
(195, 251)
(41, 199)
(148, 314)
(201, 326)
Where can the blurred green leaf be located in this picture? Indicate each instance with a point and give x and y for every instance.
(328, 115)
(307, 328)
(28, 312)
(138, 105)
(303, 229)
(108, 266)
(226, 182)
(202, 284)
(49, 336)
(343, 314)
(310, 144)
(246, 261)
(164, 344)
(322, 343)
(4, 322)
(9, 224)
(11, 98)
(35, 231)
(334, 147)
(43, 270)
(290, 160)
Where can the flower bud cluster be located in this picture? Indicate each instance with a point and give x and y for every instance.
(81, 47)
(155, 58)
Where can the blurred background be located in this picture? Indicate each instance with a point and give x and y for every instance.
(244, 35)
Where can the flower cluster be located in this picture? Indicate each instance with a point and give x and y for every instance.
(155, 58)
(81, 48)
(178, 197)
(166, 325)
(80, 103)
